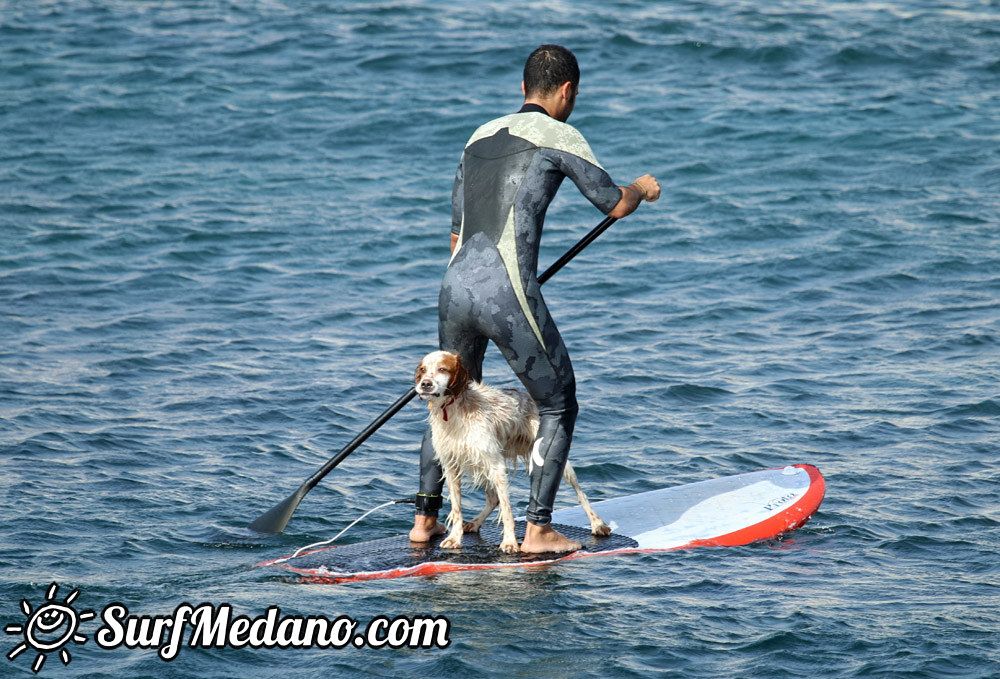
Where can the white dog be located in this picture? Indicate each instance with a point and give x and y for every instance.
(478, 430)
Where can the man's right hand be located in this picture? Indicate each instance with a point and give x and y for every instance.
(644, 188)
(649, 184)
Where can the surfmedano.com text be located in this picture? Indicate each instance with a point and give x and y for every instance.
(211, 626)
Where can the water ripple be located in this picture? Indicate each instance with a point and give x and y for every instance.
(221, 257)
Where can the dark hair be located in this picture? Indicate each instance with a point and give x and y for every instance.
(548, 67)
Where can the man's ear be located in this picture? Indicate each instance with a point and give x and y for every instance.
(522, 89)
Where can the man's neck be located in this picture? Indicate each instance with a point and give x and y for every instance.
(533, 107)
(558, 105)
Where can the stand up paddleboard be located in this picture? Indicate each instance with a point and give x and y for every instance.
(729, 511)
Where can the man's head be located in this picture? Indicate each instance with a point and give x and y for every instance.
(552, 78)
(547, 68)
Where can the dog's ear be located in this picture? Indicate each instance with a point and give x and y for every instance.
(459, 378)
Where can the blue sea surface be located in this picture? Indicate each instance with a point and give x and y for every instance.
(223, 228)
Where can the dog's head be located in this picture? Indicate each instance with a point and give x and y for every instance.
(440, 373)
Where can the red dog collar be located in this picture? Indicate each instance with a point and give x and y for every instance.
(444, 410)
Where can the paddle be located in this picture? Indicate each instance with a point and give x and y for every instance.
(275, 519)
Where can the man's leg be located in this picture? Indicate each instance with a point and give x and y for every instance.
(471, 349)
(547, 374)
(548, 460)
(425, 523)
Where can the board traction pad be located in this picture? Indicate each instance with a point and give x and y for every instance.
(482, 548)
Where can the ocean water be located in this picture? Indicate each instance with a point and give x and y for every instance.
(223, 226)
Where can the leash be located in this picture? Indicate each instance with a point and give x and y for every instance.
(300, 550)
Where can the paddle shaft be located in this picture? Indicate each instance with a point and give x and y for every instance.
(575, 250)
(408, 396)
(360, 438)
(275, 519)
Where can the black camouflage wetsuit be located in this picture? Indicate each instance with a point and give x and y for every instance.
(510, 171)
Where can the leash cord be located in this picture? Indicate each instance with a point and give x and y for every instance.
(405, 500)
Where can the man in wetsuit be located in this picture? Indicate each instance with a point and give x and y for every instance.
(509, 173)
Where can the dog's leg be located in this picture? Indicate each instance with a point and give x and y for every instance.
(500, 482)
(454, 539)
(477, 523)
(597, 526)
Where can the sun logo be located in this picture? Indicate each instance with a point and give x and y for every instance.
(49, 628)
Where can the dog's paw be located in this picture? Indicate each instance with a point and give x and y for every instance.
(509, 547)
(451, 542)
(471, 527)
(600, 528)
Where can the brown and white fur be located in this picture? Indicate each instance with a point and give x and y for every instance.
(478, 430)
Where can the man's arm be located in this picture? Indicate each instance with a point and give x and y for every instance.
(457, 204)
(644, 188)
(595, 183)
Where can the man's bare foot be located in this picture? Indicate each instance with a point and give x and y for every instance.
(424, 528)
(546, 539)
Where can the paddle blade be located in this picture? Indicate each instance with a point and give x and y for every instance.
(276, 518)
